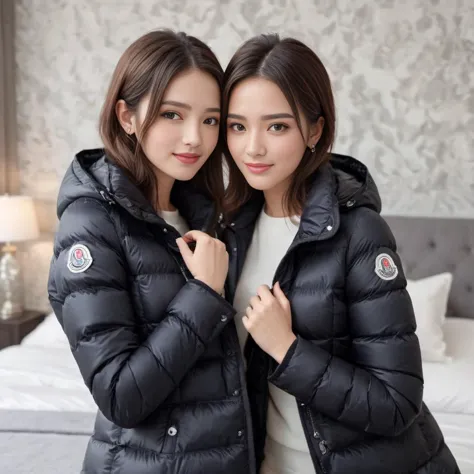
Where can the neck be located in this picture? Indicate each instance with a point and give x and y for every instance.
(162, 200)
(274, 200)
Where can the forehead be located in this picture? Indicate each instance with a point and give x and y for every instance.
(194, 86)
(258, 96)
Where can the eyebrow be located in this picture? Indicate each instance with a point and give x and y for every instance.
(263, 117)
(188, 107)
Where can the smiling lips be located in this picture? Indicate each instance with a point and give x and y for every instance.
(187, 158)
(258, 168)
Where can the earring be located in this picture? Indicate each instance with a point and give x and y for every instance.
(313, 148)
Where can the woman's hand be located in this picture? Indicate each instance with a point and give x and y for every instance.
(268, 320)
(209, 262)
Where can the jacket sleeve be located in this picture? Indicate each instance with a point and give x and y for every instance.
(379, 390)
(128, 376)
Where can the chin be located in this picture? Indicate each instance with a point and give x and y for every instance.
(185, 174)
(260, 184)
(184, 177)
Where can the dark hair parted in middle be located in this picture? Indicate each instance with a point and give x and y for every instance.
(303, 79)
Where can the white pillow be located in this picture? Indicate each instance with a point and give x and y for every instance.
(430, 299)
(449, 388)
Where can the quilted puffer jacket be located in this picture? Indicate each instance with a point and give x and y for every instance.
(355, 367)
(154, 346)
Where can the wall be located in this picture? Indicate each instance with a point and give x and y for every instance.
(403, 75)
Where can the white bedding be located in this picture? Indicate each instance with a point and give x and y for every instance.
(458, 430)
(449, 386)
(449, 391)
(41, 374)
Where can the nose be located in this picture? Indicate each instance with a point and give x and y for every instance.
(255, 146)
(192, 134)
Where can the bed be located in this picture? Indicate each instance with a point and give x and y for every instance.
(47, 414)
(429, 246)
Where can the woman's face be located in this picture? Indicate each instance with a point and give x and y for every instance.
(263, 135)
(186, 130)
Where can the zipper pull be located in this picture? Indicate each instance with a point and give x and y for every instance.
(107, 197)
(220, 221)
(323, 447)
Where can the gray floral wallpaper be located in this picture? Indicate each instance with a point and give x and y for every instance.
(403, 75)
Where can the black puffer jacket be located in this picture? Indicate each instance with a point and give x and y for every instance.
(156, 351)
(355, 368)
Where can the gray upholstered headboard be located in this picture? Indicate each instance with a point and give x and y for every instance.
(428, 246)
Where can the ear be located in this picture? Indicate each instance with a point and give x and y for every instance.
(315, 132)
(126, 117)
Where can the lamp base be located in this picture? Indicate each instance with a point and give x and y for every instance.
(8, 310)
(11, 294)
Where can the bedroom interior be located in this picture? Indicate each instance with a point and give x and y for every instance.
(404, 89)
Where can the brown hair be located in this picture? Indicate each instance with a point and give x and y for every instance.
(147, 67)
(304, 81)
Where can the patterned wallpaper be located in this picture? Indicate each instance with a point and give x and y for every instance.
(403, 74)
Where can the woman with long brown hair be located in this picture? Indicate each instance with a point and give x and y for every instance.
(144, 314)
(333, 363)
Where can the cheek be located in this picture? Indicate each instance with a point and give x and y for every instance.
(162, 134)
(210, 137)
(288, 151)
(236, 144)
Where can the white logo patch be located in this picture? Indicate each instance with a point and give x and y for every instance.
(385, 267)
(79, 259)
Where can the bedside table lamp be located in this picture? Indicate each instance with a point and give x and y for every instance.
(18, 223)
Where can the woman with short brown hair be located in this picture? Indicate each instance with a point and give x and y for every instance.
(144, 314)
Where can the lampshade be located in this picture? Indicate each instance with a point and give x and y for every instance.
(18, 220)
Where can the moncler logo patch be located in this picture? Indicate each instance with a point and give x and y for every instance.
(385, 267)
(79, 259)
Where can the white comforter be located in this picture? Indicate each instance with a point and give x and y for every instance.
(458, 430)
(41, 374)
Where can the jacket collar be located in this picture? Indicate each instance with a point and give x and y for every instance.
(92, 174)
(320, 214)
(339, 186)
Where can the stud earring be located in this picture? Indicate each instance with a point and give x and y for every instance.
(313, 148)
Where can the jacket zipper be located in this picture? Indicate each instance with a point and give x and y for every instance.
(181, 267)
(322, 444)
(241, 365)
(315, 431)
(246, 402)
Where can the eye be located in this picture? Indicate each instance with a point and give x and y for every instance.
(237, 127)
(171, 115)
(211, 121)
(278, 127)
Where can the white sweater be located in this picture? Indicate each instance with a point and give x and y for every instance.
(174, 219)
(286, 449)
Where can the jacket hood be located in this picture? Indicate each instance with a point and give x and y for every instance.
(92, 175)
(339, 186)
(355, 185)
